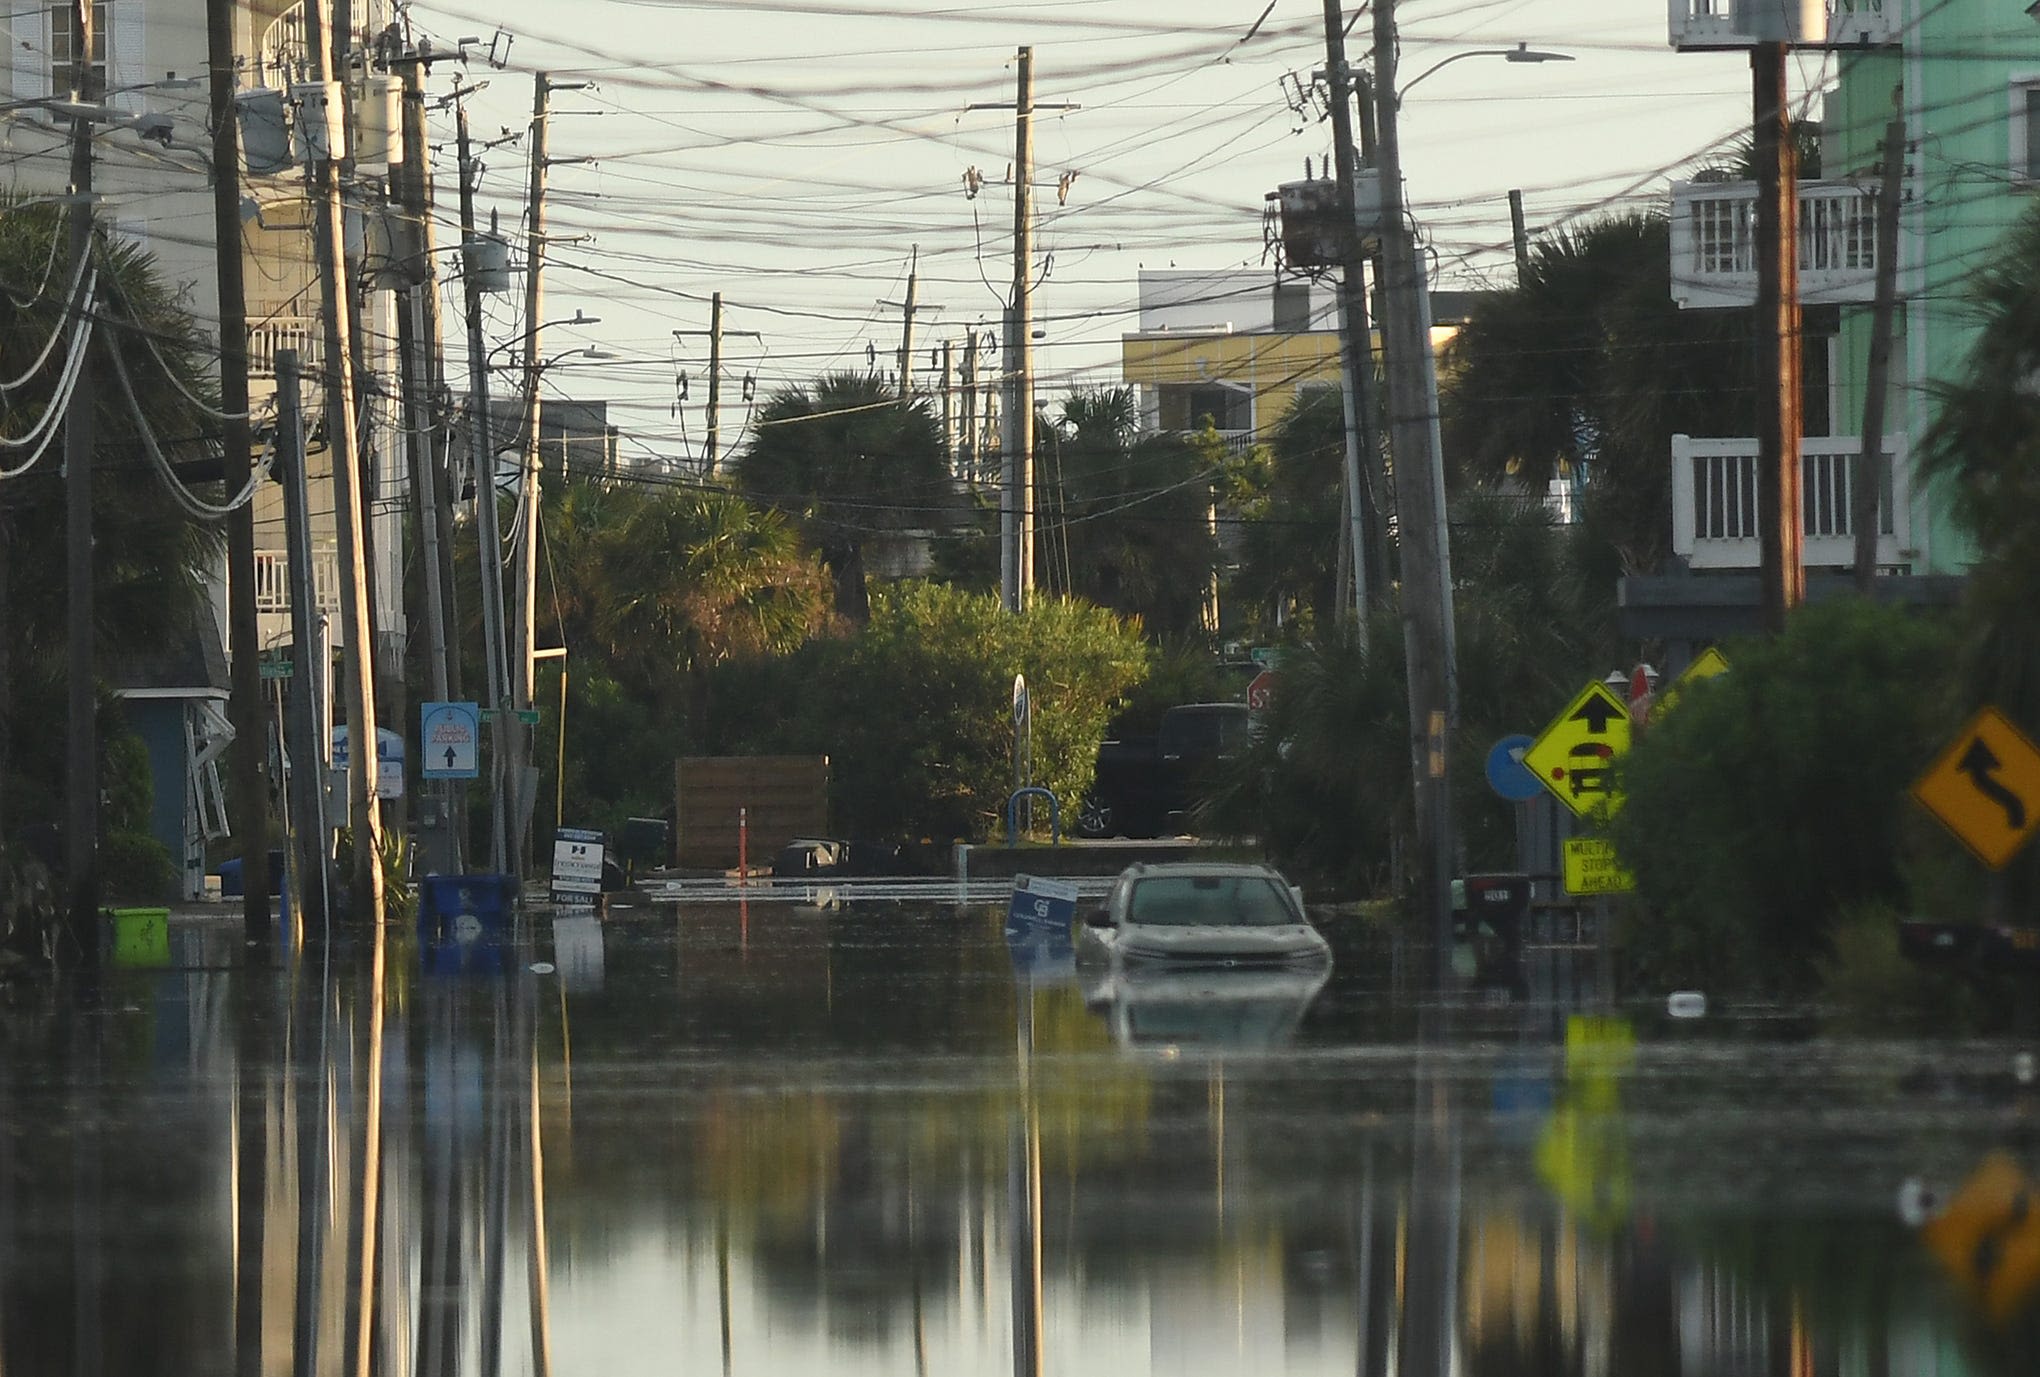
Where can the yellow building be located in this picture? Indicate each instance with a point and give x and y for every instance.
(1234, 346)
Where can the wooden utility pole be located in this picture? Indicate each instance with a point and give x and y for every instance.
(1781, 560)
(1519, 234)
(523, 668)
(1356, 343)
(417, 347)
(1020, 361)
(1420, 506)
(248, 765)
(715, 333)
(304, 722)
(948, 407)
(1865, 496)
(482, 458)
(343, 449)
(81, 760)
(967, 443)
(714, 382)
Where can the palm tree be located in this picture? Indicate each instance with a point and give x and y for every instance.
(1588, 368)
(150, 557)
(1126, 516)
(847, 461)
(1292, 509)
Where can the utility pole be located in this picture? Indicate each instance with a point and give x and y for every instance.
(948, 408)
(1420, 504)
(1519, 234)
(1781, 562)
(1866, 494)
(357, 655)
(715, 333)
(482, 457)
(1356, 344)
(302, 727)
(81, 824)
(908, 310)
(249, 763)
(417, 343)
(1020, 421)
(967, 446)
(714, 383)
(523, 673)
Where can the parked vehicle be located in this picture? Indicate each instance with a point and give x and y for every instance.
(1145, 785)
(1201, 913)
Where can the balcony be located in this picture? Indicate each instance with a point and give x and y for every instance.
(272, 585)
(1714, 502)
(267, 336)
(1703, 25)
(1714, 229)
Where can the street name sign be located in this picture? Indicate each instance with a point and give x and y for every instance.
(1574, 756)
(1985, 788)
(1591, 867)
(450, 734)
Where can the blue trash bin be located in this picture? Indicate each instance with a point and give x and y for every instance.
(464, 921)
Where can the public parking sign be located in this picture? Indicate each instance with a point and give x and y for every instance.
(450, 737)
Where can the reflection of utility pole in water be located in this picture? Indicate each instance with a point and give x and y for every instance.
(1023, 1184)
(722, 1278)
(444, 1190)
(1431, 1267)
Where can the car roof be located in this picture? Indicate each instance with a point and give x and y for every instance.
(1141, 870)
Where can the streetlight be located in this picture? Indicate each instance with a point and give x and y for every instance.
(1522, 52)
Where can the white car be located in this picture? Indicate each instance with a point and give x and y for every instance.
(1201, 914)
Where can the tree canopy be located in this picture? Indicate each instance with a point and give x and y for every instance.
(848, 462)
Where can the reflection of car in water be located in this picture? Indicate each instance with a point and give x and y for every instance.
(1194, 913)
(1204, 1008)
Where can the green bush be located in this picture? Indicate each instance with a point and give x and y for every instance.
(1773, 797)
(915, 711)
(135, 868)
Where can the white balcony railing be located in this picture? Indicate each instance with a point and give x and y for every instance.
(1714, 502)
(272, 580)
(1714, 230)
(265, 337)
(1704, 24)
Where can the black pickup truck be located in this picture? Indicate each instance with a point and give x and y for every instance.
(1145, 784)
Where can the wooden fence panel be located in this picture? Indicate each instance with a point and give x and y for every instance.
(784, 796)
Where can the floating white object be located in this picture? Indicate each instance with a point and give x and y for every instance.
(1687, 1004)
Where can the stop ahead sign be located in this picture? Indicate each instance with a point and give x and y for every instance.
(1261, 691)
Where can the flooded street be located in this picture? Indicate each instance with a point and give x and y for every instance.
(901, 1139)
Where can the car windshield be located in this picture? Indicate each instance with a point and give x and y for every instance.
(1204, 901)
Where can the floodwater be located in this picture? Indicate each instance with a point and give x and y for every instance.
(899, 1139)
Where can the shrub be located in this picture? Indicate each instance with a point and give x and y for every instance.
(1774, 796)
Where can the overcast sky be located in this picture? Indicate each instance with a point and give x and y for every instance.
(791, 155)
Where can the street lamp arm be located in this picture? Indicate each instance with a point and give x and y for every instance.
(1522, 52)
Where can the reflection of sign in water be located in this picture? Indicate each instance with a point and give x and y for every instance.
(577, 864)
(1985, 788)
(1574, 756)
(1989, 1237)
(1583, 1154)
(1591, 867)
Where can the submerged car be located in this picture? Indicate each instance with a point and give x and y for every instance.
(1197, 913)
(1183, 1009)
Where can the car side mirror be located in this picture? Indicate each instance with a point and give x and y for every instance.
(1099, 918)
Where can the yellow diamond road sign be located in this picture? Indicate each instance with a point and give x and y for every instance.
(1985, 788)
(1574, 756)
(1705, 665)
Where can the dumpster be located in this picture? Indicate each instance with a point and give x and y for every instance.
(141, 937)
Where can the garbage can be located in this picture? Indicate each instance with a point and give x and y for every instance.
(1497, 908)
(464, 921)
(141, 937)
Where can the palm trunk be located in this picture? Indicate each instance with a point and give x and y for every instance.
(853, 598)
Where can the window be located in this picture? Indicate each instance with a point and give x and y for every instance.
(64, 47)
(2025, 127)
